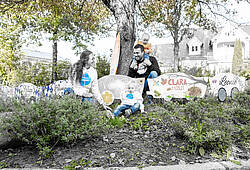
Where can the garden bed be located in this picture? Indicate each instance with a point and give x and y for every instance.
(165, 135)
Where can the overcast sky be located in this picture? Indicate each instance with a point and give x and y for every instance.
(102, 46)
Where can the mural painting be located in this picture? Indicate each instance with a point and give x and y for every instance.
(27, 91)
(111, 86)
(177, 85)
(59, 86)
(226, 84)
(167, 86)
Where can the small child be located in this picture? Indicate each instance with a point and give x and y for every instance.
(147, 51)
(144, 41)
(131, 101)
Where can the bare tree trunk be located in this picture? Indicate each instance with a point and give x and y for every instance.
(176, 55)
(54, 61)
(177, 65)
(124, 12)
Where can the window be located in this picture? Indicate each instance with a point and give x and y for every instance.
(230, 45)
(195, 50)
(210, 45)
(194, 46)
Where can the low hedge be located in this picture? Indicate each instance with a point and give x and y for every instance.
(49, 122)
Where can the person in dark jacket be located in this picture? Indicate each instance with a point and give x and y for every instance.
(143, 65)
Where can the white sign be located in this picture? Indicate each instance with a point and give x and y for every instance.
(176, 85)
(226, 84)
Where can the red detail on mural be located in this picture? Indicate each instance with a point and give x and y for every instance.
(177, 82)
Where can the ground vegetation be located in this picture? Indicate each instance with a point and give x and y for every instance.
(65, 133)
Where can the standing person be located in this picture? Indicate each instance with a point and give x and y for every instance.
(145, 42)
(142, 66)
(83, 78)
(131, 101)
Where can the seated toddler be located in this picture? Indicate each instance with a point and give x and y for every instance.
(131, 101)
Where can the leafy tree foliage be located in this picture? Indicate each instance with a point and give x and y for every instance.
(246, 73)
(102, 66)
(75, 21)
(39, 74)
(237, 58)
(62, 70)
(9, 49)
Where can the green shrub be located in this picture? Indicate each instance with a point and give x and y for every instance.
(144, 122)
(117, 122)
(209, 137)
(203, 109)
(102, 66)
(3, 165)
(39, 74)
(170, 106)
(239, 110)
(204, 124)
(7, 104)
(56, 121)
(240, 114)
(243, 98)
(242, 135)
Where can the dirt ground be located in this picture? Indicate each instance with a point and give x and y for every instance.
(123, 147)
(113, 149)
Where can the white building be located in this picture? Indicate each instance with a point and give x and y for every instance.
(223, 47)
(212, 51)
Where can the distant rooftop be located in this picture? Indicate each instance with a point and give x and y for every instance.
(246, 28)
(44, 55)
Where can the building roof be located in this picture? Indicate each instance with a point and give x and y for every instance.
(246, 28)
(42, 55)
